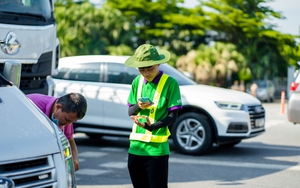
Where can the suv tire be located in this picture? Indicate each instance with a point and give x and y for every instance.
(192, 134)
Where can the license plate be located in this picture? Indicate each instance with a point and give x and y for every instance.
(259, 122)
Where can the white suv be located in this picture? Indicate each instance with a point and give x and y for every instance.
(209, 114)
(293, 107)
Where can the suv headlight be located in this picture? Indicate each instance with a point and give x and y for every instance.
(229, 105)
(68, 160)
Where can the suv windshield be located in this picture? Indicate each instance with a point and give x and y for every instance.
(261, 84)
(113, 73)
(27, 12)
(181, 78)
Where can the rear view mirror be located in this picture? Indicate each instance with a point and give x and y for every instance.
(12, 72)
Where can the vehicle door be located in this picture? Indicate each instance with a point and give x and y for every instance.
(83, 78)
(115, 93)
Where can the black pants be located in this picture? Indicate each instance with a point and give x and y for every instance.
(148, 171)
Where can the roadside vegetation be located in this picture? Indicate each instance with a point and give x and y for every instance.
(217, 41)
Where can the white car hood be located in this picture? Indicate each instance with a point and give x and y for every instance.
(25, 131)
(212, 93)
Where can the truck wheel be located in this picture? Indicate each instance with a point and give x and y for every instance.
(94, 136)
(192, 134)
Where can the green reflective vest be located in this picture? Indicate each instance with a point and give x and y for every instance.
(145, 135)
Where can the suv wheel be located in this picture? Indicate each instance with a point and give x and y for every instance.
(192, 134)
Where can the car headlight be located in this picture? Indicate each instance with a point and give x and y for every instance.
(68, 160)
(229, 105)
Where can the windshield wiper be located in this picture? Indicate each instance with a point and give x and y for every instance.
(24, 14)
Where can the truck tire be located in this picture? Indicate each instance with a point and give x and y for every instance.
(94, 136)
(192, 134)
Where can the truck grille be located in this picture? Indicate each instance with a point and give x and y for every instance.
(33, 76)
(37, 172)
(32, 83)
(256, 112)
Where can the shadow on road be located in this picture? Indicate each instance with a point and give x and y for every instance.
(243, 162)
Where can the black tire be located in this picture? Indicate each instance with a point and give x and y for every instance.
(192, 134)
(94, 136)
(268, 99)
(230, 144)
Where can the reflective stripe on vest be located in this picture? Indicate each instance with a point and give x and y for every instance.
(148, 136)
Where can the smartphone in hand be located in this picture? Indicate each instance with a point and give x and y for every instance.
(146, 99)
(142, 119)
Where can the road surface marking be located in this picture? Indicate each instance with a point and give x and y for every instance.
(235, 164)
(114, 165)
(92, 154)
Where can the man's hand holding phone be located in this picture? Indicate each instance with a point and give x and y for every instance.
(145, 102)
(141, 120)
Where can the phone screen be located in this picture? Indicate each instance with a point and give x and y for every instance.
(145, 99)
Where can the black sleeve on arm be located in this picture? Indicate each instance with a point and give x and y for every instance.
(134, 110)
(170, 119)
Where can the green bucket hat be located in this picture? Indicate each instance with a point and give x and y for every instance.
(147, 55)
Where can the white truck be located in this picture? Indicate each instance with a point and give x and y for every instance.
(34, 152)
(28, 35)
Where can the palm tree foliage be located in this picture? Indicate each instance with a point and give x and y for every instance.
(245, 24)
(242, 29)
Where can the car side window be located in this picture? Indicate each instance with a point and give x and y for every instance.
(81, 72)
(120, 74)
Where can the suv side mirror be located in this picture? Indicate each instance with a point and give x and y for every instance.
(12, 72)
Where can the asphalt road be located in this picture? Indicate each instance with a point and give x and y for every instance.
(269, 160)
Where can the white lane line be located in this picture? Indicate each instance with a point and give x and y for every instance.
(119, 165)
(91, 172)
(236, 164)
(108, 149)
(80, 135)
(272, 123)
(92, 154)
(286, 148)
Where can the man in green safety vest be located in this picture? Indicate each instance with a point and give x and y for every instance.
(154, 102)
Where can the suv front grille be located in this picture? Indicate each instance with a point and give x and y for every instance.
(37, 172)
(23, 165)
(256, 112)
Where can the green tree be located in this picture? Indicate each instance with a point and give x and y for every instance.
(84, 30)
(120, 26)
(244, 23)
(163, 23)
(213, 65)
